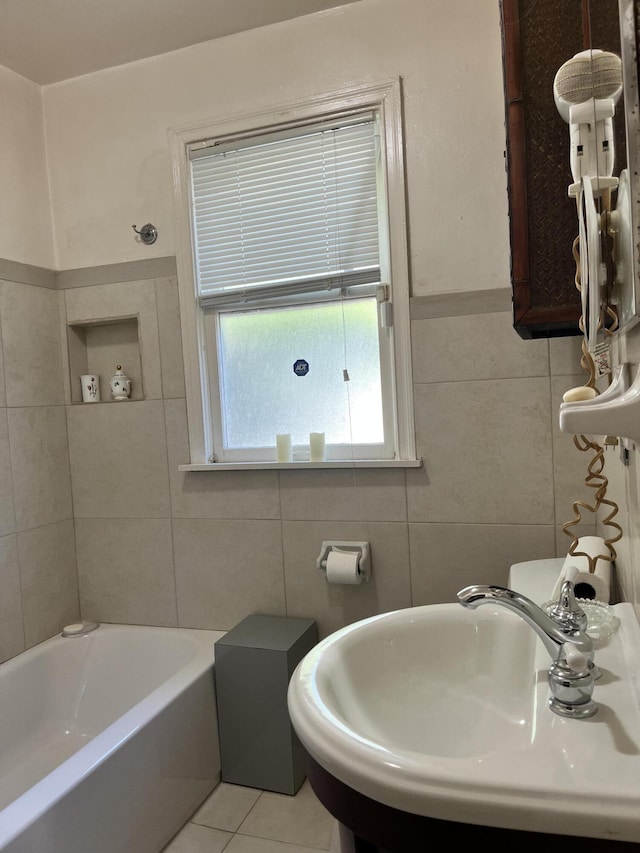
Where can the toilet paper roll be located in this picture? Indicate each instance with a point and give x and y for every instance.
(342, 567)
(591, 585)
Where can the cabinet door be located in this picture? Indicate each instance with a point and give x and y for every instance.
(538, 37)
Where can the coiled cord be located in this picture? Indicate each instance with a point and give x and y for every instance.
(595, 478)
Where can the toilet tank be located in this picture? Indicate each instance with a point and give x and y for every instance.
(535, 578)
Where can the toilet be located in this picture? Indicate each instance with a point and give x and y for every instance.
(535, 578)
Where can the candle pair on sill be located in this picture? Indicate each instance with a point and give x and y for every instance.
(284, 450)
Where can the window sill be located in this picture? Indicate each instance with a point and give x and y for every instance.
(287, 466)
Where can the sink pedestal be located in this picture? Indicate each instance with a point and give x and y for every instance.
(372, 827)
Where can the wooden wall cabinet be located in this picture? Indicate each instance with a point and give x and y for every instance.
(538, 37)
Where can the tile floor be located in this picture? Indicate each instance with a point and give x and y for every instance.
(245, 820)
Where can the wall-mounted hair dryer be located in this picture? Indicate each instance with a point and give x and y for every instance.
(586, 90)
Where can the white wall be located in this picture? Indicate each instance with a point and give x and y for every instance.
(624, 488)
(25, 215)
(107, 132)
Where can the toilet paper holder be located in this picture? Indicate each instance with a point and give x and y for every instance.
(362, 548)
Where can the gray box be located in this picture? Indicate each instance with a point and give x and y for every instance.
(253, 664)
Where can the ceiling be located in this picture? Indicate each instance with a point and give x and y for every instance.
(51, 40)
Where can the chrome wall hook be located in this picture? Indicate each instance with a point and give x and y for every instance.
(148, 233)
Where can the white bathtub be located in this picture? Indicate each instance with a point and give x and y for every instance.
(108, 741)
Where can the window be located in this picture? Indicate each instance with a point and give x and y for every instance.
(293, 282)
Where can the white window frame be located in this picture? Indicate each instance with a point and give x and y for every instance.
(384, 97)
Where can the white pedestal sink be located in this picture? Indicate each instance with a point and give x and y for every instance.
(441, 712)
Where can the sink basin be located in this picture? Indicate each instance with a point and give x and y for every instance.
(431, 686)
(441, 711)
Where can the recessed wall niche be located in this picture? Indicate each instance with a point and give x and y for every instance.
(97, 347)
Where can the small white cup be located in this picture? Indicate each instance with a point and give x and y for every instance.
(283, 447)
(316, 447)
(90, 383)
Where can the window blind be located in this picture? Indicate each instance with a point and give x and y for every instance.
(292, 214)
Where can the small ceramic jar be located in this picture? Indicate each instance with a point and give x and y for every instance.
(120, 384)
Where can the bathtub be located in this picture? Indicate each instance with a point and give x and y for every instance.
(108, 741)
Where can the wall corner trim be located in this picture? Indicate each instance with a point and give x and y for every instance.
(164, 267)
(458, 304)
(27, 274)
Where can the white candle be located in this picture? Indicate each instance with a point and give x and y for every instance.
(283, 447)
(316, 446)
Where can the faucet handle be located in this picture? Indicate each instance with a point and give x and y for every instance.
(575, 659)
(566, 612)
(571, 618)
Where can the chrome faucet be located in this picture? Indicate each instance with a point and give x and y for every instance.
(572, 673)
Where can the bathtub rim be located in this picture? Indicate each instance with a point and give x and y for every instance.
(27, 808)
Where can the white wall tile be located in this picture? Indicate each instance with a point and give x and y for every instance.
(359, 494)
(447, 557)
(565, 354)
(119, 460)
(47, 557)
(335, 605)
(214, 494)
(476, 346)
(7, 507)
(125, 570)
(226, 570)
(486, 447)
(11, 620)
(40, 465)
(31, 345)
(170, 337)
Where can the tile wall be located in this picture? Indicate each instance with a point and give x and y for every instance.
(160, 546)
(38, 578)
(97, 521)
